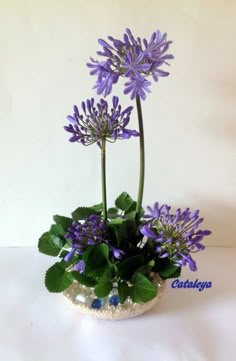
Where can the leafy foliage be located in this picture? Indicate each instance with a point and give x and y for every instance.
(97, 208)
(166, 269)
(113, 212)
(50, 245)
(57, 279)
(81, 213)
(57, 230)
(65, 222)
(83, 279)
(125, 202)
(123, 291)
(170, 271)
(104, 286)
(52, 242)
(143, 290)
(102, 269)
(128, 266)
(97, 260)
(124, 234)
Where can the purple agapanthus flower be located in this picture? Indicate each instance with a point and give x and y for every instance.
(131, 58)
(176, 235)
(96, 122)
(93, 231)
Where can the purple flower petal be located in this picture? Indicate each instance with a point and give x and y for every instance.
(70, 255)
(206, 233)
(80, 266)
(75, 138)
(164, 255)
(118, 253)
(146, 231)
(104, 44)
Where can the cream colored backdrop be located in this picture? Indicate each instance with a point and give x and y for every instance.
(189, 117)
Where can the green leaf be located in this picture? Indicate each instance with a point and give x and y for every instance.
(88, 252)
(104, 287)
(68, 243)
(63, 253)
(127, 267)
(117, 220)
(144, 269)
(125, 202)
(130, 215)
(123, 290)
(141, 213)
(97, 260)
(82, 213)
(151, 263)
(97, 207)
(50, 245)
(128, 232)
(65, 222)
(101, 254)
(170, 271)
(57, 279)
(143, 290)
(57, 230)
(112, 212)
(83, 279)
(176, 274)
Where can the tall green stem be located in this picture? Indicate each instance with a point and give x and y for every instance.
(142, 156)
(103, 174)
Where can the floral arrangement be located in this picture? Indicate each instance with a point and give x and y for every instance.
(100, 246)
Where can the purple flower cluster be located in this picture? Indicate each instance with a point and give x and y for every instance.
(175, 235)
(88, 233)
(92, 231)
(133, 59)
(97, 123)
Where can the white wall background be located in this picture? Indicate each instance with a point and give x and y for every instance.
(189, 117)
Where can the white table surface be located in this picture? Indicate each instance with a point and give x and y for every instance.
(186, 325)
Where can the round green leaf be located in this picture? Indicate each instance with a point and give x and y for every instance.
(83, 279)
(143, 290)
(170, 271)
(123, 290)
(50, 245)
(57, 279)
(81, 213)
(103, 288)
(65, 222)
(125, 202)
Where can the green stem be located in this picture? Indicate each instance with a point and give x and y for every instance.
(103, 174)
(142, 156)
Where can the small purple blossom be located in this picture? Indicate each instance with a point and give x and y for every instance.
(117, 253)
(97, 123)
(93, 231)
(131, 58)
(175, 235)
(70, 255)
(80, 266)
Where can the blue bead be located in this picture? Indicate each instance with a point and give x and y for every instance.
(97, 303)
(114, 300)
